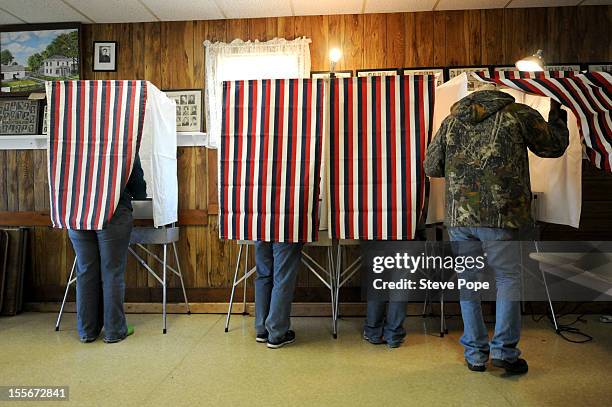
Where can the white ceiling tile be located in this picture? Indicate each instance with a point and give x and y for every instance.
(6, 18)
(392, 6)
(177, 10)
(42, 11)
(542, 3)
(113, 11)
(255, 8)
(315, 7)
(470, 4)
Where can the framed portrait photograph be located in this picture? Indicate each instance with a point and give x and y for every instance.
(473, 83)
(506, 68)
(600, 67)
(564, 67)
(327, 74)
(104, 56)
(44, 121)
(376, 72)
(34, 53)
(18, 117)
(188, 108)
(427, 71)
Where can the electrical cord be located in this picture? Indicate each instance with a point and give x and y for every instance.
(567, 330)
(564, 329)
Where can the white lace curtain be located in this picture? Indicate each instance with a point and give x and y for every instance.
(274, 59)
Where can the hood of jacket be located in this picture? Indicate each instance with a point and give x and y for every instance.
(480, 105)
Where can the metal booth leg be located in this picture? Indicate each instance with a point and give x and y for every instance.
(229, 309)
(338, 275)
(180, 273)
(165, 285)
(443, 328)
(244, 283)
(332, 287)
(68, 284)
(552, 310)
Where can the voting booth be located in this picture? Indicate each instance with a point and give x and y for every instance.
(274, 133)
(96, 130)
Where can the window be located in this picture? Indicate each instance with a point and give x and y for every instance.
(275, 59)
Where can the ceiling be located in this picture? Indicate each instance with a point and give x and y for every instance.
(120, 11)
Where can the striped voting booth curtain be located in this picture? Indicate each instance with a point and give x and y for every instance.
(588, 96)
(270, 160)
(380, 128)
(94, 134)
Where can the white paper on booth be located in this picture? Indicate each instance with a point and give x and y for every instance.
(158, 156)
(559, 180)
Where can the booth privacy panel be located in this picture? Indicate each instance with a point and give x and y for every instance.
(158, 156)
(379, 130)
(94, 134)
(588, 96)
(558, 181)
(270, 159)
(96, 128)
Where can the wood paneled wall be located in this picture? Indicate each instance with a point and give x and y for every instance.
(171, 56)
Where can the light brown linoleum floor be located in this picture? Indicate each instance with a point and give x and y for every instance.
(197, 364)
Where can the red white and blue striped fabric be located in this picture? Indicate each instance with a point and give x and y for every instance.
(588, 96)
(380, 128)
(94, 134)
(270, 160)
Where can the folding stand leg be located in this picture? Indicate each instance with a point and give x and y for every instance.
(229, 309)
(424, 314)
(443, 328)
(552, 310)
(332, 287)
(68, 284)
(180, 273)
(338, 269)
(244, 284)
(165, 285)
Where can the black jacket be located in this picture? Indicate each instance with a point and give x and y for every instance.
(136, 187)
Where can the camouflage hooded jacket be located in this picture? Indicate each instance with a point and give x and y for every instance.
(481, 150)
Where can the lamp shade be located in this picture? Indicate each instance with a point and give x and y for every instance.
(533, 63)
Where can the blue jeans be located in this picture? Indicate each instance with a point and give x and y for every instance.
(278, 265)
(503, 259)
(101, 258)
(390, 327)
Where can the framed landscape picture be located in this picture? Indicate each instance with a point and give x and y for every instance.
(188, 108)
(426, 71)
(33, 54)
(18, 116)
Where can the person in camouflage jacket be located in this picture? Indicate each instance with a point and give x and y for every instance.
(481, 150)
